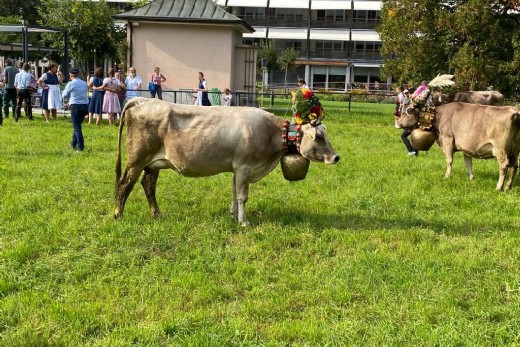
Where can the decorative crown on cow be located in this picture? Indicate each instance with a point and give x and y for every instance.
(306, 107)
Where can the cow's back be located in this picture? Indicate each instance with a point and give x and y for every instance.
(492, 97)
(476, 129)
(202, 141)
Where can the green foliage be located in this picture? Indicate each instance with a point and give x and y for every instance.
(377, 250)
(477, 40)
(26, 10)
(269, 52)
(287, 60)
(92, 32)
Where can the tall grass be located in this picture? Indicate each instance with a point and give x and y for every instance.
(376, 250)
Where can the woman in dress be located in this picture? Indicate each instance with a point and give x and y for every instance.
(96, 103)
(111, 100)
(133, 84)
(157, 78)
(202, 92)
(51, 95)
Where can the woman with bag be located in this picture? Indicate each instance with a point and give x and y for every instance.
(155, 83)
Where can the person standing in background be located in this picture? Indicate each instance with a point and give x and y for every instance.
(228, 97)
(157, 78)
(121, 92)
(51, 96)
(111, 101)
(76, 92)
(98, 92)
(202, 92)
(9, 89)
(22, 83)
(133, 84)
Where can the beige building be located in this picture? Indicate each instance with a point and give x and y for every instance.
(183, 37)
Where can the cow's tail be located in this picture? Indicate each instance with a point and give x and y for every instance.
(513, 142)
(128, 105)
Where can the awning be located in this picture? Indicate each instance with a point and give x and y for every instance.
(365, 35)
(355, 64)
(330, 5)
(260, 33)
(288, 33)
(289, 4)
(330, 34)
(367, 5)
(241, 3)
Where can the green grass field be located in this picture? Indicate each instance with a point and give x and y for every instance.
(378, 250)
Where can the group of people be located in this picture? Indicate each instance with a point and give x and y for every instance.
(18, 84)
(98, 95)
(403, 101)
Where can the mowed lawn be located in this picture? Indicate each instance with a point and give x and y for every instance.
(378, 250)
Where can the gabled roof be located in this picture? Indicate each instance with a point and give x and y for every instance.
(185, 11)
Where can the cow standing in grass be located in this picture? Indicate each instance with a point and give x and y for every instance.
(204, 141)
(479, 131)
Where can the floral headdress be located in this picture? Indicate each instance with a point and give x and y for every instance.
(306, 106)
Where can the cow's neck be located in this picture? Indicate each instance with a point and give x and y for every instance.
(291, 137)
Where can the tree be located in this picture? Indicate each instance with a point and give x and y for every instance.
(287, 60)
(26, 10)
(269, 52)
(476, 40)
(92, 32)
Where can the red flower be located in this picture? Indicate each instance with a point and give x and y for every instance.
(307, 94)
(317, 110)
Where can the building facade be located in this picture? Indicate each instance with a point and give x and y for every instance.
(183, 37)
(337, 45)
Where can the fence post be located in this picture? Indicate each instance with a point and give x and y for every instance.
(271, 99)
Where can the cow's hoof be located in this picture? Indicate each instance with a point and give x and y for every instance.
(234, 214)
(117, 214)
(471, 178)
(245, 224)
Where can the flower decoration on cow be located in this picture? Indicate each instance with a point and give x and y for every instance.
(306, 106)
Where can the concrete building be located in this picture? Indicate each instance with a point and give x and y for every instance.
(338, 47)
(183, 37)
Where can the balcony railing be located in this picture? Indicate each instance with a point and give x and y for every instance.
(338, 54)
(319, 23)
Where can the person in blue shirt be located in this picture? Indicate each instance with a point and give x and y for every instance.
(22, 83)
(76, 91)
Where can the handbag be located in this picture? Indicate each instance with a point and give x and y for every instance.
(151, 87)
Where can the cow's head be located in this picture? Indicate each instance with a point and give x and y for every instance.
(409, 119)
(315, 145)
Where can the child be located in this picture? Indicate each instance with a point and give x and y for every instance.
(228, 97)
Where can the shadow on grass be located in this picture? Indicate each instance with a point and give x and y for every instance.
(291, 217)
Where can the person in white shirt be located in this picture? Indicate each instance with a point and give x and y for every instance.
(228, 97)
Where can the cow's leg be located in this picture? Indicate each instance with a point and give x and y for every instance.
(447, 146)
(449, 161)
(123, 188)
(242, 192)
(234, 204)
(512, 174)
(469, 165)
(149, 183)
(502, 170)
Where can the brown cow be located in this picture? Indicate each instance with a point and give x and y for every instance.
(479, 131)
(204, 141)
(491, 97)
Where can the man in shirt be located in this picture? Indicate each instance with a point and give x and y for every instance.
(22, 82)
(9, 89)
(76, 90)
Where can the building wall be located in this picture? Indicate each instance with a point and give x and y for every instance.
(335, 40)
(182, 50)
